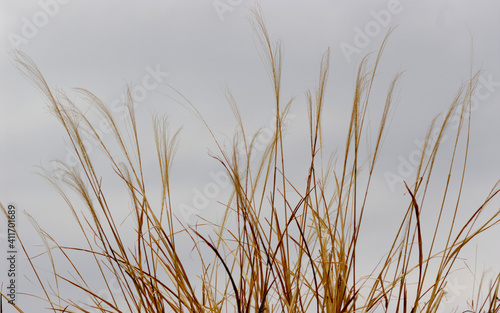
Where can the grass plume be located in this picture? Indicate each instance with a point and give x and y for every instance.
(270, 253)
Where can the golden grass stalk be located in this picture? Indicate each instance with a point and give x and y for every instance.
(270, 254)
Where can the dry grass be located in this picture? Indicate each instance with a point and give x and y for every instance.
(270, 254)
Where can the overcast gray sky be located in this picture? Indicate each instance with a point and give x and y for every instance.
(201, 47)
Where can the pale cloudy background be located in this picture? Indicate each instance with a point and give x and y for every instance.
(205, 46)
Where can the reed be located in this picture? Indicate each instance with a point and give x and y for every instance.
(279, 247)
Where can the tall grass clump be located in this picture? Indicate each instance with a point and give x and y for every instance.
(279, 247)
